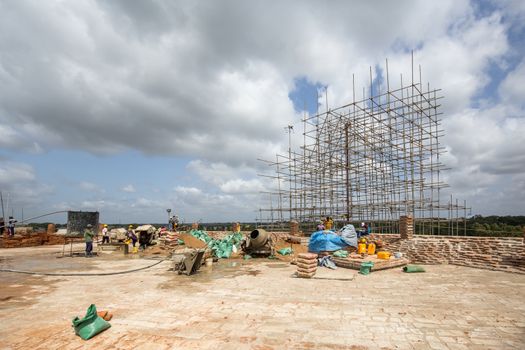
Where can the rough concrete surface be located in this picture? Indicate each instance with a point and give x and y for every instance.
(256, 304)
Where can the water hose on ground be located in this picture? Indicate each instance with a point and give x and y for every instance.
(82, 274)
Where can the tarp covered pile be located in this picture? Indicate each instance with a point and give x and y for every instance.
(329, 241)
(322, 241)
(221, 248)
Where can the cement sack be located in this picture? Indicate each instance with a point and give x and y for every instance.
(307, 256)
(310, 270)
(307, 261)
(307, 266)
(305, 275)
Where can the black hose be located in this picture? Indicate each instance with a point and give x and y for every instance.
(81, 274)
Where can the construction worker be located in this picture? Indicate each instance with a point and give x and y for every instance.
(105, 234)
(328, 223)
(88, 238)
(170, 223)
(131, 235)
(175, 222)
(11, 227)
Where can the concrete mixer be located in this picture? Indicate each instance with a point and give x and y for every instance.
(258, 242)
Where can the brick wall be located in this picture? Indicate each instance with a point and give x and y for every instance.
(33, 240)
(495, 253)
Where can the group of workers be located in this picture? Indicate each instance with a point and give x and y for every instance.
(10, 225)
(131, 236)
(89, 235)
(328, 223)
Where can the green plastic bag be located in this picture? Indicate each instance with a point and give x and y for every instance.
(413, 268)
(91, 325)
(341, 254)
(285, 251)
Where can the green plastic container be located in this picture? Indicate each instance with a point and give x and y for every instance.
(366, 267)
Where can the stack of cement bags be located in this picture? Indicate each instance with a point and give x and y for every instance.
(306, 265)
(170, 240)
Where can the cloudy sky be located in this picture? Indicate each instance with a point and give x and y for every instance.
(132, 107)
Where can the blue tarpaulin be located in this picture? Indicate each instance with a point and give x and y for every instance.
(325, 241)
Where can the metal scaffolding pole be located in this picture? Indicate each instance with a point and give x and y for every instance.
(370, 160)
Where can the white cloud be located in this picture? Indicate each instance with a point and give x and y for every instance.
(187, 191)
(512, 89)
(242, 186)
(210, 82)
(128, 188)
(90, 187)
(13, 171)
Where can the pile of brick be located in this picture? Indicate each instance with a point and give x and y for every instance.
(406, 227)
(306, 265)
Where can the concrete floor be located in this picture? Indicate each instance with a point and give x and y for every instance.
(257, 305)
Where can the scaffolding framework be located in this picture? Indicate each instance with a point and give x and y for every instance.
(374, 159)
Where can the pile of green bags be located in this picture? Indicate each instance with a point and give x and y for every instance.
(221, 248)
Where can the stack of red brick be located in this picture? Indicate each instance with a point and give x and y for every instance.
(306, 265)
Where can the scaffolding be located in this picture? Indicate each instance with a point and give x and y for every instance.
(371, 160)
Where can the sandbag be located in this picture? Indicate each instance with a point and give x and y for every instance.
(90, 325)
(413, 268)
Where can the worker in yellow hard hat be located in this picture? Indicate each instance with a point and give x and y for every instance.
(105, 234)
(131, 235)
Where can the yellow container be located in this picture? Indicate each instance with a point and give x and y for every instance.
(383, 255)
(371, 249)
(361, 248)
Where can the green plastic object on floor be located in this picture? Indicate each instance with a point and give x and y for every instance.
(366, 267)
(285, 251)
(341, 254)
(90, 325)
(413, 268)
(247, 256)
